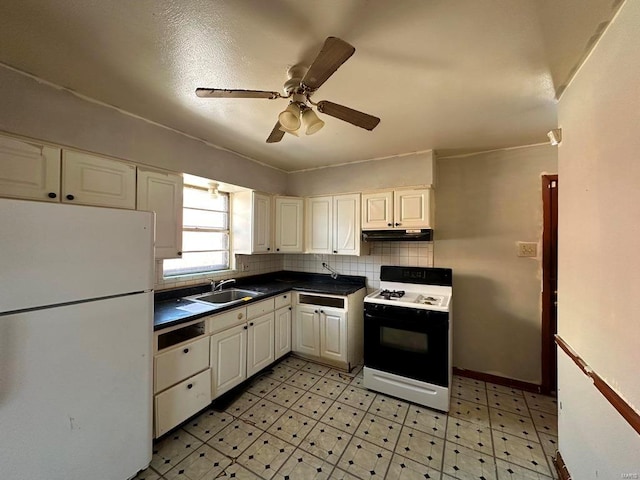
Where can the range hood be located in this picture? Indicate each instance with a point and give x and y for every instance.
(418, 235)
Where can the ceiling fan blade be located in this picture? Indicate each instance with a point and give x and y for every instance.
(225, 93)
(359, 119)
(276, 134)
(333, 54)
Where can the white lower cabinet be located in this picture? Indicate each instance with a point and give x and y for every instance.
(175, 405)
(333, 334)
(260, 343)
(282, 331)
(198, 361)
(328, 328)
(228, 359)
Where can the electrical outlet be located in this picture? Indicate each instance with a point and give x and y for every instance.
(527, 249)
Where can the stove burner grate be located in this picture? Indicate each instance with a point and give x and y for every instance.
(389, 294)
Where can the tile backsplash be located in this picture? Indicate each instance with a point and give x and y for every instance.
(406, 254)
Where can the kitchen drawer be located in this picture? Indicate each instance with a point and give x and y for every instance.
(225, 320)
(175, 365)
(283, 300)
(256, 309)
(175, 405)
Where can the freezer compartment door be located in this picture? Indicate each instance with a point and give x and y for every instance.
(52, 254)
(75, 390)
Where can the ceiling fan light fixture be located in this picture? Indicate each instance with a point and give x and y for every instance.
(290, 118)
(311, 122)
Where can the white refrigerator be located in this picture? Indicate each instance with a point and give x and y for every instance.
(76, 310)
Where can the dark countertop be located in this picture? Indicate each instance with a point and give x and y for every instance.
(169, 304)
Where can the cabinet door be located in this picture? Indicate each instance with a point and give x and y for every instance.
(261, 223)
(319, 222)
(260, 343)
(282, 331)
(333, 334)
(377, 210)
(289, 224)
(411, 208)
(93, 180)
(162, 193)
(307, 331)
(346, 224)
(228, 359)
(28, 170)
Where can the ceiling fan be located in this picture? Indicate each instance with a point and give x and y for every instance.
(301, 85)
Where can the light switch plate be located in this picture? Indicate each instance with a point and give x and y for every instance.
(527, 249)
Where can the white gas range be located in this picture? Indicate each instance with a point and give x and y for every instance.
(407, 346)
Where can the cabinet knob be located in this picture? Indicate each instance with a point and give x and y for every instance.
(397, 224)
(389, 224)
(190, 386)
(70, 197)
(289, 308)
(277, 249)
(251, 324)
(179, 254)
(321, 311)
(335, 251)
(245, 327)
(186, 350)
(315, 311)
(284, 296)
(268, 249)
(52, 195)
(240, 316)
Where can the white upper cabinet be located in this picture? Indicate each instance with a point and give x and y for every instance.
(377, 210)
(412, 208)
(289, 226)
(161, 192)
(333, 224)
(251, 222)
(29, 170)
(346, 224)
(92, 180)
(399, 209)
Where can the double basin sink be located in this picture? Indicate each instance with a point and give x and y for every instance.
(224, 297)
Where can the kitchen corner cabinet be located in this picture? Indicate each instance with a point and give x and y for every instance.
(29, 170)
(289, 224)
(282, 325)
(397, 209)
(161, 192)
(329, 328)
(92, 180)
(333, 224)
(251, 222)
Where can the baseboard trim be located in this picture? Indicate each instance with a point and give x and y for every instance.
(561, 467)
(507, 382)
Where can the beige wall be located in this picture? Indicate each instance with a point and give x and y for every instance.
(485, 204)
(401, 171)
(37, 110)
(599, 260)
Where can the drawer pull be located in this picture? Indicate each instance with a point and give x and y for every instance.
(52, 195)
(186, 350)
(190, 386)
(240, 316)
(284, 296)
(251, 324)
(70, 197)
(245, 327)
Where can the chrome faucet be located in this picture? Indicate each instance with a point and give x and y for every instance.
(215, 287)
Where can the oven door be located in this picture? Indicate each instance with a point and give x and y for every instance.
(409, 342)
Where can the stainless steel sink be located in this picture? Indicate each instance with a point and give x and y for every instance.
(224, 296)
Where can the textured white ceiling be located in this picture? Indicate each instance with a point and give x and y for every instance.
(456, 76)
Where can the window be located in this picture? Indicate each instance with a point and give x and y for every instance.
(205, 234)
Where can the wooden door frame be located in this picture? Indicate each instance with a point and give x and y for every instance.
(549, 269)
